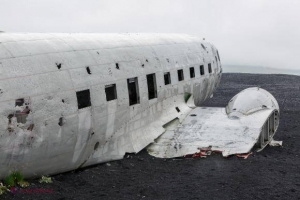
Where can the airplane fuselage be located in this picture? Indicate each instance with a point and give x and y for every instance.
(74, 100)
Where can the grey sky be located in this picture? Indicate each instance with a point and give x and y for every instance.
(246, 32)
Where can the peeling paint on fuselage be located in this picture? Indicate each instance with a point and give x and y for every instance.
(64, 137)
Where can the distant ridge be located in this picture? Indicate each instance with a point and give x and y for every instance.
(258, 70)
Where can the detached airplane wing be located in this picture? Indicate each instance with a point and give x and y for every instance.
(251, 118)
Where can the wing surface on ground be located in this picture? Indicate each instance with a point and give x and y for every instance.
(230, 130)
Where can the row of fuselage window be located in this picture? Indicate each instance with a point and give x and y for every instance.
(84, 99)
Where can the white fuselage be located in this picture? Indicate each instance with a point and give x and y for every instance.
(74, 100)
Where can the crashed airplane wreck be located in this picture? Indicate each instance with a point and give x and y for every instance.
(74, 100)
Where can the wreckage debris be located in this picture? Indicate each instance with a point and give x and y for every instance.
(275, 143)
(206, 151)
(244, 155)
(127, 120)
(246, 122)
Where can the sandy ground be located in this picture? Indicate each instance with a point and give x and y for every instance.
(271, 174)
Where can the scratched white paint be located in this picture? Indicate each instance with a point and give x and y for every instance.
(106, 130)
(231, 130)
(48, 69)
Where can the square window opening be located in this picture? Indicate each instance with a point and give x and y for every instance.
(152, 88)
(133, 91)
(111, 92)
(83, 99)
(201, 69)
(209, 68)
(192, 72)
(167, 78)
(180, 75)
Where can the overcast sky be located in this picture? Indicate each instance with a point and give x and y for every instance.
(246, 32)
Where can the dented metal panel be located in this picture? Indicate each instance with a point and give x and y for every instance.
(251, 117)
(48, 69)
(205, 127)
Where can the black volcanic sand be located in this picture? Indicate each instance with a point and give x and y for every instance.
(271, 174)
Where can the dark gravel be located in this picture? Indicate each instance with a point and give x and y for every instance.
(271, 174)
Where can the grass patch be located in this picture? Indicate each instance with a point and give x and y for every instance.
(45, 179)
(14, 178)
(9, 181)
(3, 189)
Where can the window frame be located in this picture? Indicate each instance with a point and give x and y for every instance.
(192, 72)
(209, 68)
(180, 75)
(114, 88)
(202, 71)
(87, 103)
(168, 78)
(154, 86)
(137, 91)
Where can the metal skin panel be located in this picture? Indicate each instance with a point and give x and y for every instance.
(229, 130)
(48, 69)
